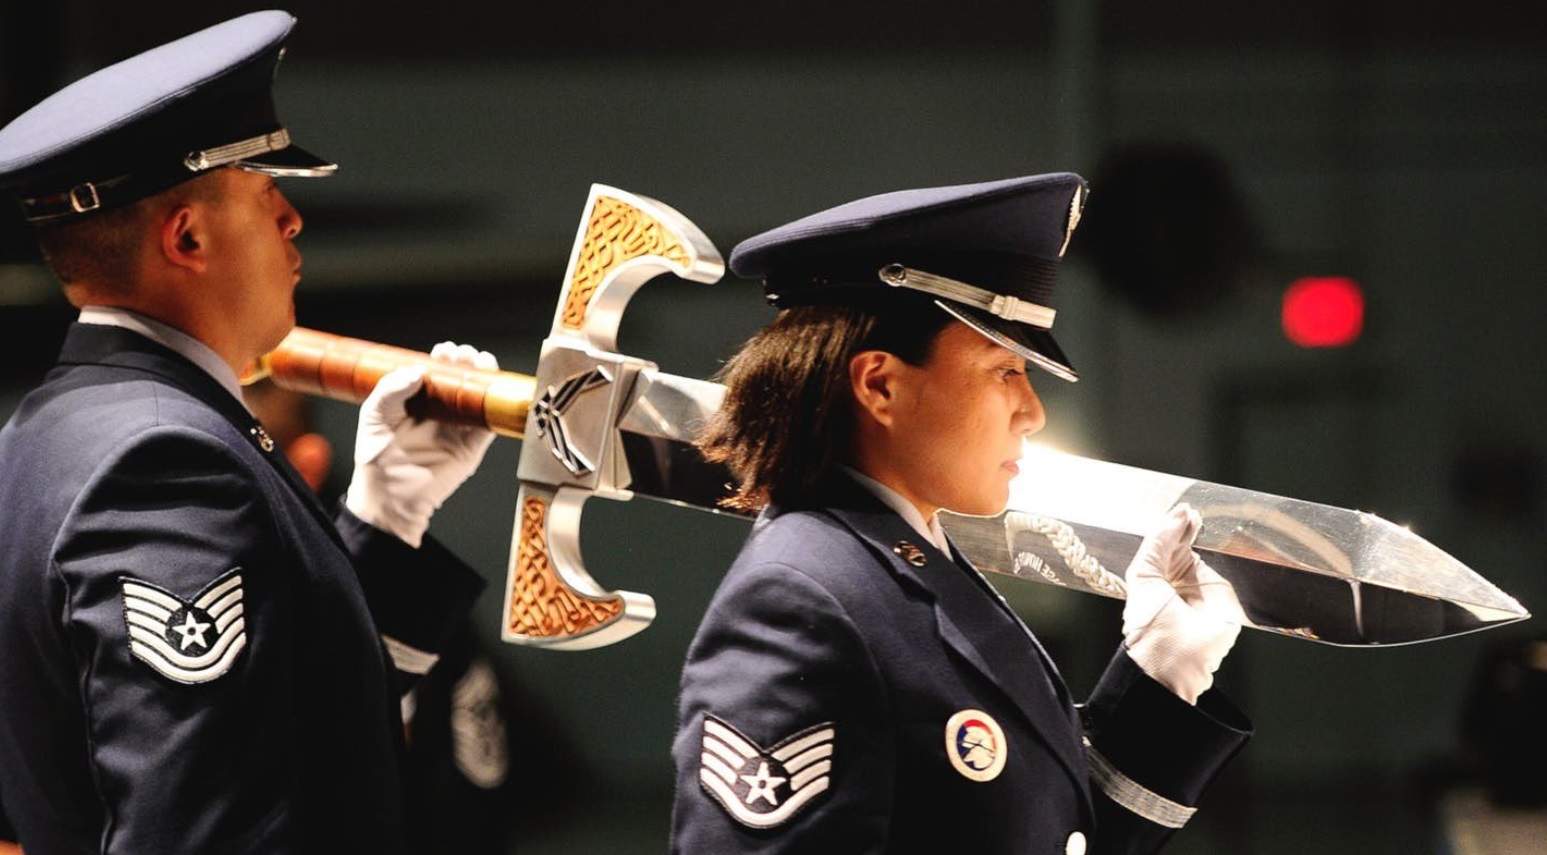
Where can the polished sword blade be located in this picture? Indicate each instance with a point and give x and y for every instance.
(1300, 569)
(662, 414)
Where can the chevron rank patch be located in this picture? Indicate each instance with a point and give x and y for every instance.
(190, 642)
(764, 787)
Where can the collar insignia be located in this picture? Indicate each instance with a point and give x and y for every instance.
(975, 744)
(910, 553)
(764, 787)
(261, 436)
(186, 641)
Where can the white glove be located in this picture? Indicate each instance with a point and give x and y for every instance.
(405, 468)
(1181, 618)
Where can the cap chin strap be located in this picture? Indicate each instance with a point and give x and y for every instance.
(1003, 305)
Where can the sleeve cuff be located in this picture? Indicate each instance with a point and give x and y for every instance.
(1151, 751)
(418, 596)
(1133, 796)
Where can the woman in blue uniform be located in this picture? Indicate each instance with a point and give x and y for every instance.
(856, 686)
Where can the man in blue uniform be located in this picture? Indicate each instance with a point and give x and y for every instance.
(856, 686)
(195, 656)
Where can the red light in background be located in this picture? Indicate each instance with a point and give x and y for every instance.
(1323, 311)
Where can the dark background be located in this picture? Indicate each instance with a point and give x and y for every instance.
(1232, 148)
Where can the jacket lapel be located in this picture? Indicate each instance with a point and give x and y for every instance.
(92, 344)
(979, 626)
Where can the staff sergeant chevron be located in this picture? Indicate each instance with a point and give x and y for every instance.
(189, 642)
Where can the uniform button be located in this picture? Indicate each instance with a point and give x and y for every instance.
(1076, 844)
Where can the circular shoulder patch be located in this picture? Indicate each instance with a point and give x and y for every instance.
(976, 745)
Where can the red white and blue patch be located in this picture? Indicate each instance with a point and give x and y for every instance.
(764, 787)
(186, 641)
(975, 744)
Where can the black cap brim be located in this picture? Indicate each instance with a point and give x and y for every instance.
(1035, 345)
(292, 161)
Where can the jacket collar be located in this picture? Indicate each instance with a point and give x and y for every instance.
(174, 339)
(929, 529)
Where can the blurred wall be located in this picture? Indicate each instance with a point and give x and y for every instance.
(1399, 145)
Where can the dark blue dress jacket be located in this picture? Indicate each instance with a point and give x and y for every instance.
(853, 690)
(191, 648)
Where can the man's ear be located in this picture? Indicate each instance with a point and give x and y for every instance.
(873, 380)
(182, 239)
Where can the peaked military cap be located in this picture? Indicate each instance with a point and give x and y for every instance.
(987, 253)
(154, 120)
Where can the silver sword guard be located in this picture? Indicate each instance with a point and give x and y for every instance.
(571, 448)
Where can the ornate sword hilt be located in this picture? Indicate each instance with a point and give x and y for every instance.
(572, 449)
(567, 415)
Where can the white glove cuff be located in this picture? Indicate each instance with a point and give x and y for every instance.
(405, 520)
(1182, 648)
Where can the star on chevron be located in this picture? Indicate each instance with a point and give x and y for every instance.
(761, 785)
(191, 631)
(790, 775)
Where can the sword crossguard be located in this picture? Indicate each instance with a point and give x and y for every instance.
(571, 452)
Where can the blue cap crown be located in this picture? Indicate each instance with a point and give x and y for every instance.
(987, 252)
(140, 126)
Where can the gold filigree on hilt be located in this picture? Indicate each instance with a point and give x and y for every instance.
(571, 450)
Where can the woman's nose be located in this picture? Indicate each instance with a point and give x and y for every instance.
(1033, 416)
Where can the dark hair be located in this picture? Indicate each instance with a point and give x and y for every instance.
(788, 414)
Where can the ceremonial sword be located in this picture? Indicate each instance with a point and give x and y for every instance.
(597, 423)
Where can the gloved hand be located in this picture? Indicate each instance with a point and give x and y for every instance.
(405, 468)
(1181, 618)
